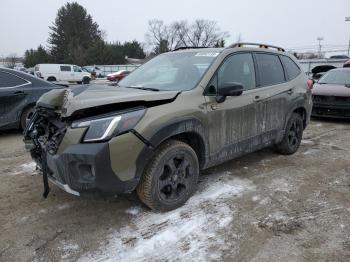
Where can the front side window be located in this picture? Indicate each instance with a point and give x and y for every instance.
(171, 71)
(290, 66)
(65, 68)
(77, 69)
(238, 68)
(9, 80)
(270, 69)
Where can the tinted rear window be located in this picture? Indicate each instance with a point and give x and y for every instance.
(65, 68)
(270, 69)
(291, 68)
(9, 80)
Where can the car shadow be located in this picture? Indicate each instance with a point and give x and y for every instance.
(10, 132)
(331, 120)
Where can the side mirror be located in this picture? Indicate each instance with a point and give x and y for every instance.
(229, 89)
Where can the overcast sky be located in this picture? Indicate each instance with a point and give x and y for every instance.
(289, 23)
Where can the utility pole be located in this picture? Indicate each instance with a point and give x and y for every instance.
(319, 39)
(347, 19)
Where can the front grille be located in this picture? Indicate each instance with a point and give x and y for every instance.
(334, 100)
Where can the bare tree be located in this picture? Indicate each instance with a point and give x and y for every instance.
(201, 33)
(204, 33)
(11, 60)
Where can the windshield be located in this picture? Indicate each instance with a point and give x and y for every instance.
(171, 71)
(336, 77)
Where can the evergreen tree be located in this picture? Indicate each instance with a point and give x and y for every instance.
(33, 57)
(72, 33)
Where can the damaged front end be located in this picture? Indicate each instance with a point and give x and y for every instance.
(44, 133)
(89, 147)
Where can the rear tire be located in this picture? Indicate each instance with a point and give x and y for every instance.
(51, 79)
(170, 178)
(26, 114)
(86, 80)
(292, 136)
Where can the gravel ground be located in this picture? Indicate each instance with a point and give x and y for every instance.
(261, 207)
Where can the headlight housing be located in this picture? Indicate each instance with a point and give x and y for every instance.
(105, 127)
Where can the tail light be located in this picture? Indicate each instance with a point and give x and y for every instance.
(310, 83)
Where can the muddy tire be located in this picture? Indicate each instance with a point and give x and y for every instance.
(26, 114)
(292, 137)
(170, 178)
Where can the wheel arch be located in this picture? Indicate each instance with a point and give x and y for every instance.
(29, 105)
(299, 108)
(190, 131)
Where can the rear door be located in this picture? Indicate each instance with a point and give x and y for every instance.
(15, 93)
(235, 124)
(275, 90)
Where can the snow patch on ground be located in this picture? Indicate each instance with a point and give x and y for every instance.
(280, 184)
(67, 248)
(63, 206)
(307, 142)
(311, 151)
(133, 210)
(192, 231)
(29, 168)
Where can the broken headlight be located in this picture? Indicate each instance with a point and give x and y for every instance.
(101, 129)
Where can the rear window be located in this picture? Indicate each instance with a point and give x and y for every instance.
(290, 66)
(270, 69)
(9, 80)
(65, 68)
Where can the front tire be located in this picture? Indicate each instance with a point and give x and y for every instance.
(170, 178)
(26, 114)
(292, 136)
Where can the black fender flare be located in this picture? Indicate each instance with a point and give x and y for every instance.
(299, 103)
(168, 130)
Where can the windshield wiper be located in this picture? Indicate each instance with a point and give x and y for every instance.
(144, 88)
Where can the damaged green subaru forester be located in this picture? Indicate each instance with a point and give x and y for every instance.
(179, 113)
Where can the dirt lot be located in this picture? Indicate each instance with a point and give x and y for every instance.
(262, 207)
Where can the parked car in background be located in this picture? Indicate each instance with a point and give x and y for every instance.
(117, 76)
(331, 94)
(347, 64)
(62, 72)
(339, 57)
(319, 71)
(94, 70)
(19, 92)
(177, 114)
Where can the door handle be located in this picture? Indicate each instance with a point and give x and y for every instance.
(290, 92)
(19, 93)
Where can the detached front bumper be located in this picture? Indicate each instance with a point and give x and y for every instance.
(85, 170)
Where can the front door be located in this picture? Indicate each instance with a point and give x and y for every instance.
(235, 124)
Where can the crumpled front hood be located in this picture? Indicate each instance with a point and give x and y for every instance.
(331, 90)
(89, 96)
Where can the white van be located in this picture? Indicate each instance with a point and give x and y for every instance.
(62, 72)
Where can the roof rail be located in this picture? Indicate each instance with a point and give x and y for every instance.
(189, 47)
(256, 44)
